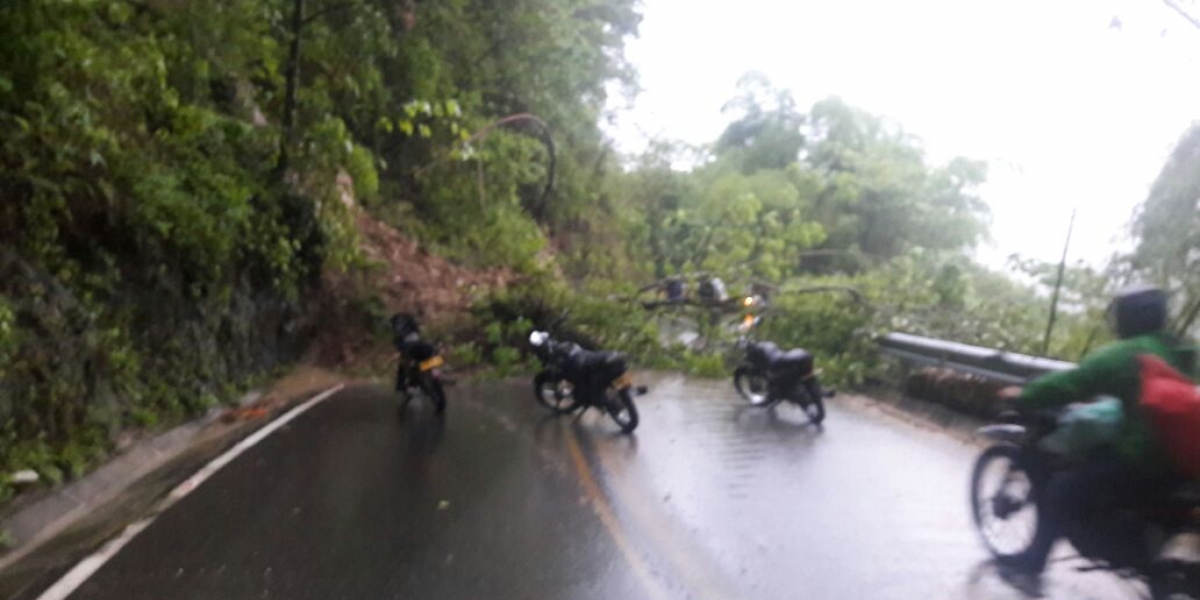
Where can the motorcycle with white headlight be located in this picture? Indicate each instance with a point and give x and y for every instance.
(574, 379)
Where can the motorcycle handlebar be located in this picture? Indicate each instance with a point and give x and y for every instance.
(559, 321)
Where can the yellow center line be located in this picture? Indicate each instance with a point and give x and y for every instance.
(603, 510)
(703, 580)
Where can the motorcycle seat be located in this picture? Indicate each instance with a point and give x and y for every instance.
(764, 353)
(796, 361)
(587, 360)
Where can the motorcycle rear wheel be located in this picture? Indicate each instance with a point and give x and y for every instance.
(623, 412)
(433, 388)
(815, 409)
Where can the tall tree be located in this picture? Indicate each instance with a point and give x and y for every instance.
(1166, 227)
(767, 133)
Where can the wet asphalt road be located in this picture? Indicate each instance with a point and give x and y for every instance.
(709, 499)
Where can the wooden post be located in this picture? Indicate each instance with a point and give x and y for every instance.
(1062, 267)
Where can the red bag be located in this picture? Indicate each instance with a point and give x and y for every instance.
(1171, 402)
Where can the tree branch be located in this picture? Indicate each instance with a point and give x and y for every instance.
(735, 302)
(853, 293)
(1183, 13)
(1188, 318)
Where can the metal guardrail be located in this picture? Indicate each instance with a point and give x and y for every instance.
(994, 364)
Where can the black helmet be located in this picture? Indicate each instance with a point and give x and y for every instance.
(404, 324)
(1138, 310)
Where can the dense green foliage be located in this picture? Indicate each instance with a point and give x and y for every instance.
(176, 178)
(837, 200)
(151, 258)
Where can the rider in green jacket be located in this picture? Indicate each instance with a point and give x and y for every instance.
(1137, 466)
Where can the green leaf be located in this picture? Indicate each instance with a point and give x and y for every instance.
(107, 189)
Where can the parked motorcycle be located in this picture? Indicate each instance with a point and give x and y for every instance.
(576, 379)
(1010, 475)
(419, 374)
(768, 376)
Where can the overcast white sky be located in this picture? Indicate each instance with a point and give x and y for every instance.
(1068, 111)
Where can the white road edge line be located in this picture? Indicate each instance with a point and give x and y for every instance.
(87, 567)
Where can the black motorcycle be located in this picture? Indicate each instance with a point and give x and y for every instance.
(575, 379)
(419, 374)
(1009, 477)
(768, 376)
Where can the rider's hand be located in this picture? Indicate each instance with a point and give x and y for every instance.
(1008, 408)
(1009, 393)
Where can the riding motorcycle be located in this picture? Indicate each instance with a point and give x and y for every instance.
(419, 373)
(768, 376)
(1009, 477)
(575, 379)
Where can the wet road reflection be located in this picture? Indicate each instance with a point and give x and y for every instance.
(709, 499)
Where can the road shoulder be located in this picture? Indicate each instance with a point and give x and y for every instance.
(56, 528)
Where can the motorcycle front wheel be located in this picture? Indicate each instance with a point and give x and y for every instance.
(750, 384)
(623, 412)
(554, 392)
(814, 403)
(1004, 500)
